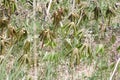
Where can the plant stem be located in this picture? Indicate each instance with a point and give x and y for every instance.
(35, 46)
(73, 5)
(115, 69)
(48, 10)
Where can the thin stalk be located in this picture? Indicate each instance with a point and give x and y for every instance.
(73, 5)
(35, 45)
(48, 10)
(80, 19)
(111, 77)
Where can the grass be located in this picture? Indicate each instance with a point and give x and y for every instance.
(61, 40)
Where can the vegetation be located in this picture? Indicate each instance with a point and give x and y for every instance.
(59, 39)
